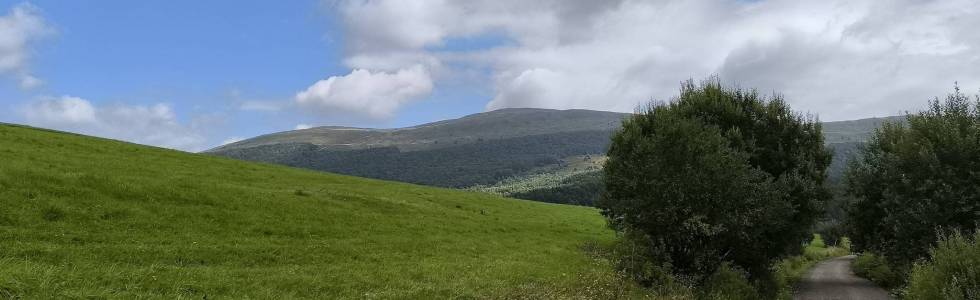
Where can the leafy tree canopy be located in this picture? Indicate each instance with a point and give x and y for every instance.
(915, 180)
(719, 174)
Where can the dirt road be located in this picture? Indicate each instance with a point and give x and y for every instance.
(833, 279)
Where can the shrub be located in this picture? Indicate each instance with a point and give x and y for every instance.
(817, 250)
(877, 269)
(952, 273)
(845, 243)
(912, 180)
(817, 242)
(718, 175)
(832, 231)
(729, 283)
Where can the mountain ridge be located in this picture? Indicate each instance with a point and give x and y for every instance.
(497, 124)
(834, 131)
(490, 151)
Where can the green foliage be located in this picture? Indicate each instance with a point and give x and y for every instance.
(832, 231)
(729, 283)
(103, 219)
(915, 180)
(845, 243)
(953, 271)
(817, 242)
(718, 175)
(458, 166)
(877, 269)
(577, 180)
(582, 188)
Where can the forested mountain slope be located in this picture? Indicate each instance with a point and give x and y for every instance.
(493, 151)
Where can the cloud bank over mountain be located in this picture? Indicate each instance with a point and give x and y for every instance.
(840, 59)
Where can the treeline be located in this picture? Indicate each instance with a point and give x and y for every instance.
(579, 189)
(480, 163)
(576, 187)
(714, 189)
(915, 202)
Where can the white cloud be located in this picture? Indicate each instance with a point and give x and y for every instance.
(28, 82)
(67, 110)
(303, 126)
(841, 59)
(374, 94)
(154, 125)
(233, 139)
(255, 105)
(19, 29)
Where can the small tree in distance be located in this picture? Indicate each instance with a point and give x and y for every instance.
(718, 175)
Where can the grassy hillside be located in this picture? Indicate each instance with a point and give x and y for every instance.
(85, 217)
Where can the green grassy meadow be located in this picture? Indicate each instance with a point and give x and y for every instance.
(82, 217)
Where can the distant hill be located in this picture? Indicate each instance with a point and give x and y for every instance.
(854, 130)
(518, 152)
(495, 125)
(477, 150)
(845, 139)
(91, 218)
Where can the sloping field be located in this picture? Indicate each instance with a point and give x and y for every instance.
(85, 217)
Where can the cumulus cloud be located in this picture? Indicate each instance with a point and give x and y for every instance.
(303, 126)
(373, 94)
(840, 59)
(154, 125)
(19, 30)
(233, 139)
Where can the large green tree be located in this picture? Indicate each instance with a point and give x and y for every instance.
(916, 180)
(717, 175)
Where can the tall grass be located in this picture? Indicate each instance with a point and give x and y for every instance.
(952, 272)
(877, 268)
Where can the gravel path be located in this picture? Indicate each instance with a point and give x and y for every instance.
(833, 279)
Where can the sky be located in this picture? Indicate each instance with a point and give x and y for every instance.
(192, 75)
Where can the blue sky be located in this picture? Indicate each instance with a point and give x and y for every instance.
(203, 59)
(192, 75)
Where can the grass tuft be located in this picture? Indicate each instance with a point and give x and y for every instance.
(52, 214)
